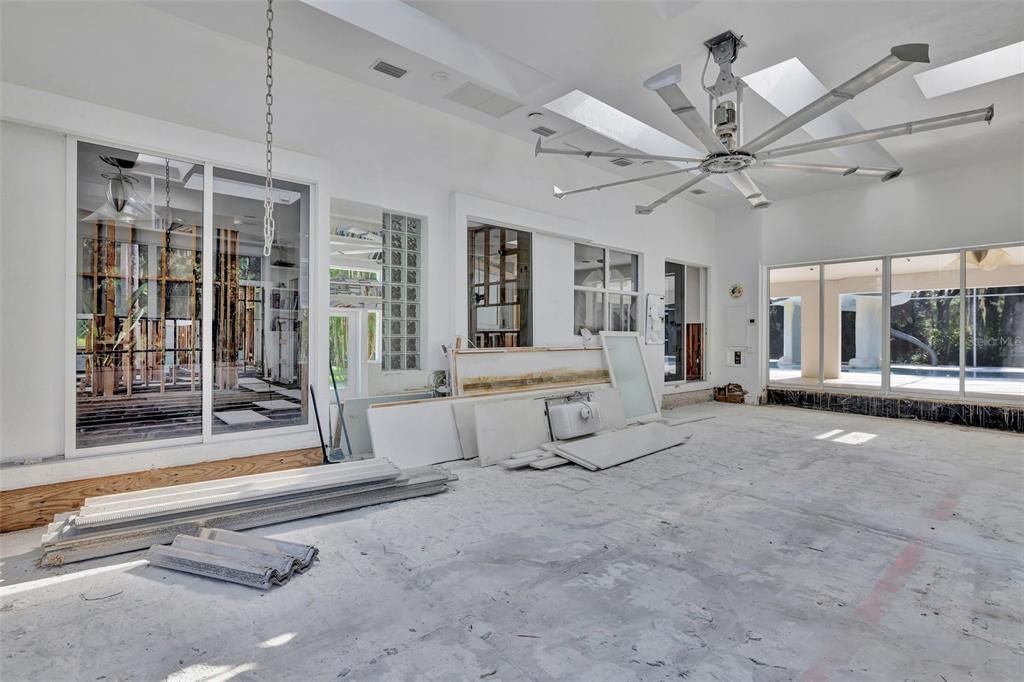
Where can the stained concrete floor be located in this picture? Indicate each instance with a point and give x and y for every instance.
(884, 550)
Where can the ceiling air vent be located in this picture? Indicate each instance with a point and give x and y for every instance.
(543, 131)
(388, 69)
(476, 97)
(622, 162)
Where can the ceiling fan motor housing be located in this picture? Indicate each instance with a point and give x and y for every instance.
(726, 125)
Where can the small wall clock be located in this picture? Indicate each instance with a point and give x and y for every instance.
(736, 291)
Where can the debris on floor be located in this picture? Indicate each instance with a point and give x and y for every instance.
(235, 557)
(113, 524)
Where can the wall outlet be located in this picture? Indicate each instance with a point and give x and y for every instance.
(736, 357)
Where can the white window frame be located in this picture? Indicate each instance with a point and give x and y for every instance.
(608, 292)
(207, 437)
(885, 389)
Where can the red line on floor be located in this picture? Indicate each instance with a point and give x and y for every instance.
(873, 606)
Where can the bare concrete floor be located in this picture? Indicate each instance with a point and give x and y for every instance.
(886, 550)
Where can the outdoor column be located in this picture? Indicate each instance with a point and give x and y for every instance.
(790, 334)
(869, 333)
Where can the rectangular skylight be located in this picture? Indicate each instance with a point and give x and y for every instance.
(977, 70)
(789, 86)
(618, 126)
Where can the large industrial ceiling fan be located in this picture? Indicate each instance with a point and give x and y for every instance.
(729, 154)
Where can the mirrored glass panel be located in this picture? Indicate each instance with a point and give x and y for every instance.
(138, 327)
(260, 305)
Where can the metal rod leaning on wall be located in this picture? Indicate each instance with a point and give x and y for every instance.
(319, 431)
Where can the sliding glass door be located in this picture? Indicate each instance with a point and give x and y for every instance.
(139, 271)
(948, 323)
(145, 261)
(261, 305)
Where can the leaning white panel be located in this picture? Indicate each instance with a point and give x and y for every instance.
(624, 356)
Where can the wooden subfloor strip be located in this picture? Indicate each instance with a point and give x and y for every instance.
(35, 506)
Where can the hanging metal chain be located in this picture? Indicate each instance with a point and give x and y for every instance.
(167, 193)
(268, 201)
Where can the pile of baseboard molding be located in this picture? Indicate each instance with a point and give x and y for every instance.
(235, 557)
(113, 524)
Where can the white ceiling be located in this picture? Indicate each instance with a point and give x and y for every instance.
(608, 48)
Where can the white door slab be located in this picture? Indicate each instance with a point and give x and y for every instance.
(616, 447)
(414, 433)
(508, 427)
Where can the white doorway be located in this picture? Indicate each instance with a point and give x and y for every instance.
(349, 352)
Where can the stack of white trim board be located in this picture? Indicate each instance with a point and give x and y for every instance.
(500, 410)
(113, 524)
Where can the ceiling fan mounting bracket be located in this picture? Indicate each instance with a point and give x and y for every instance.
(724, 48)
(722, 163)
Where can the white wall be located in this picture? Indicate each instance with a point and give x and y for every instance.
(376, 148)
(32, 325)
(957, 207)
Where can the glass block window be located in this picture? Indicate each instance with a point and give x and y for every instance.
(403, 297)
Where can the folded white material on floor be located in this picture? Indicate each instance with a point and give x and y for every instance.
(235, 557)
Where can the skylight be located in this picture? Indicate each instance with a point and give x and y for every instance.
(789, 86)
(618, 126)
(977, 70)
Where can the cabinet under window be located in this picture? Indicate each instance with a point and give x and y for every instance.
(499, 287)
(685, 312)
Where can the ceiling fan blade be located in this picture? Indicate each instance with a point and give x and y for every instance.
(538, 149)
(560, 193)
(885, 174)
(749, 189)
(899, 58)
(924, 125)
(665, 83)
(649, 208)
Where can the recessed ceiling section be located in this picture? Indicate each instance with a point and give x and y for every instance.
(789, 86)
(414, 30)
(994, 65)
(480, 98)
